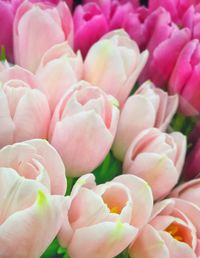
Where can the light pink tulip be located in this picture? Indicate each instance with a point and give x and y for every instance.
(148, 107)
(185, 78)
(157, 158)
(114, 64)
(30, 218)
(37, 27)
(173, 232)
(189, 191)
(83, 127)
(60, 67)
(18, 73)
(36, 159)
(24, 113)
(106, 216)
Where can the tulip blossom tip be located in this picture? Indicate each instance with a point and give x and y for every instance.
(41, 198)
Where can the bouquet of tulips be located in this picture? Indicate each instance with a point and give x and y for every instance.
(100, 129)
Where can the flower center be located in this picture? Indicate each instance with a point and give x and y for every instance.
(175, 232)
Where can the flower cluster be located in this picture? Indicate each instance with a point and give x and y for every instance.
(99, 129)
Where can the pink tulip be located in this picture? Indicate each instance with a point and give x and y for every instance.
(176, 8)
(134, 3)
(6, 21)
(157, 158)
(185, 78)
(16, 72)
(164, 37)
(173, 232)
(106, 216)
(189, 191)
(148, 107)
(30, 218)
(24, 113)
(191, 20)
(37, 27)
(90, 25)
(59, 68)
(83, 128)
(37, 160)
(192, 164)
(114, 64)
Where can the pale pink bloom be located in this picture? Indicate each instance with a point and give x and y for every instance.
(37, 27)
(18, 73)
(189, 191)
(30, 218)
(83, 127)
(24, 113)
(148, 107)
(106, 216)
(173, 232)
(114, 64)
(59, 68)
(158, 158)
(37, 160)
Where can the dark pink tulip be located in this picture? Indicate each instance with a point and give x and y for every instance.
(192, 164)
(164, 38)
(90, 25)
(191, 20)
(176, 8)
(6, 21)
(185, 79)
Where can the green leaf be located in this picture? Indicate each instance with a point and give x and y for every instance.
(3, 54)
(51, 251)
(110, 168)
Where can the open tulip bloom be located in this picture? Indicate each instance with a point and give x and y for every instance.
(100, 129)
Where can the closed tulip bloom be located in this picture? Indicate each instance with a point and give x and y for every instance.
(24, 113)
(163, 37)
(172, 232)
(59, 68)
(90, 25)
(191, 20)
(83, 127)
(114, 64)
(148, 107)
(107, 216)
(176, 8)
(192, 164)
(30, 218)
(189, 191)
(158, 158)
(6, 21)
(185, 78)
(37, 27)
(36, 160)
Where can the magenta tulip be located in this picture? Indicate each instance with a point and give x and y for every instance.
(185, 78)
(90, 25)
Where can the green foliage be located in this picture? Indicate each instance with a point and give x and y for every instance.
(3, 54)
(183, 123)
(110, 168)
